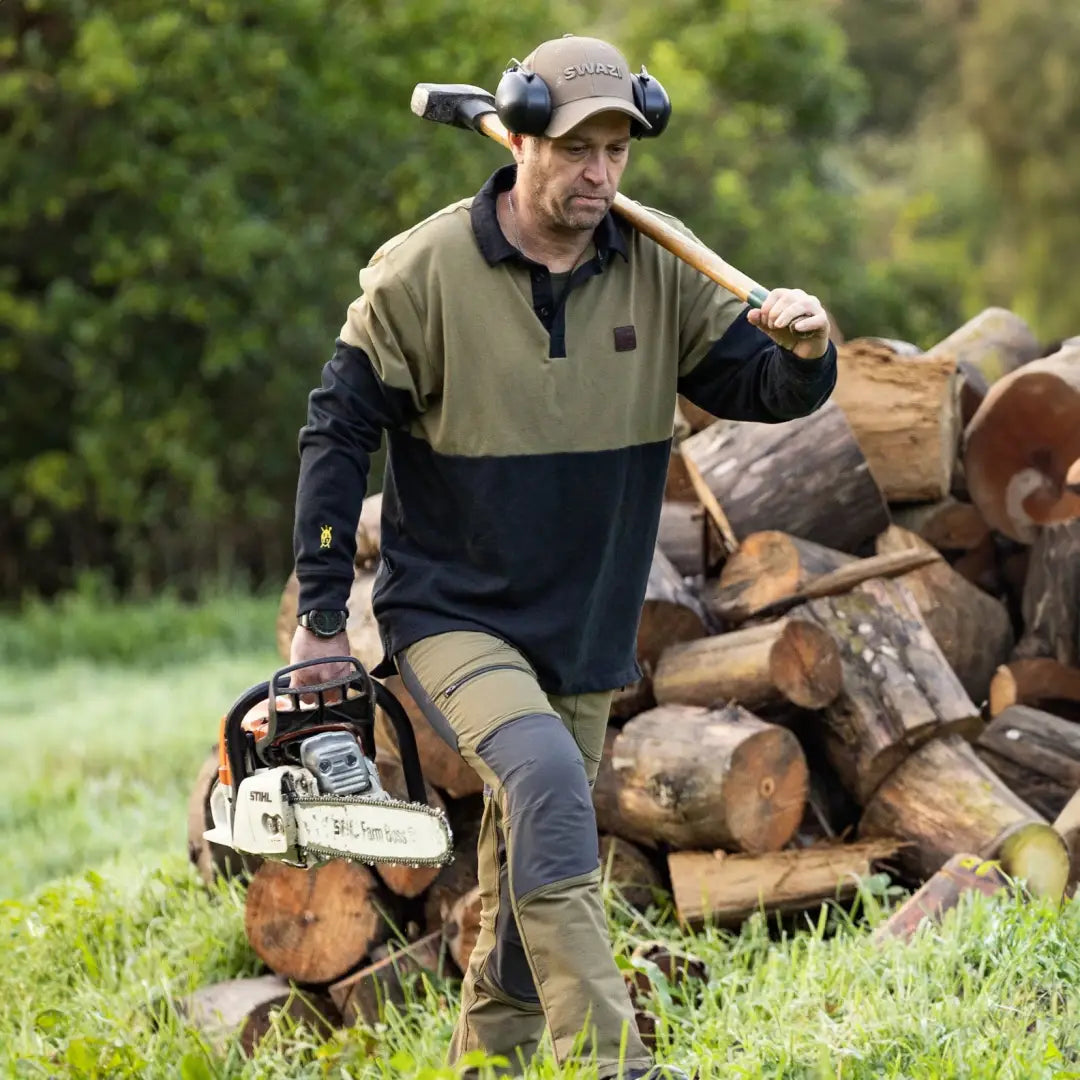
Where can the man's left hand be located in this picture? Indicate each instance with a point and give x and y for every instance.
(787, 308)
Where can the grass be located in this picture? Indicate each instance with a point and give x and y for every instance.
(104, 927)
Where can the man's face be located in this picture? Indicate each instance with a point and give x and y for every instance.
(571, 181)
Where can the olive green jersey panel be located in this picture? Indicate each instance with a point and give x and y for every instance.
(463, 339)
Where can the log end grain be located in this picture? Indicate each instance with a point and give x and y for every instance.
(1037, 855)
(805, 665)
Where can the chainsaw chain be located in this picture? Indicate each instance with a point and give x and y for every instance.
(396, 804)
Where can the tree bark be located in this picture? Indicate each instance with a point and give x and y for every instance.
(392, 978)
(806, 477)
(727, 889)
(629, 870)
(943, 800)
(244, 1010)
(1051, 599)
(1021, 443)
(948, 524)
(898, 690)
(1043, 683)
(682, 536)
(902, 413)
(995, 342)
(972, 628)
(1036, 754)
(786, 660)
(442, 765)
(695, 777)
(605, 795)
(315, 925)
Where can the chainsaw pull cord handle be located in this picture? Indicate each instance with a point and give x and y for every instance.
(410, 756)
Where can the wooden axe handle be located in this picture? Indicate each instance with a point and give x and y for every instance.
(697, 255)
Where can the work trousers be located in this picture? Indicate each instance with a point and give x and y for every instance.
(544, 955)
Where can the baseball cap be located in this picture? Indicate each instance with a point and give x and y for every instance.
(586, 76)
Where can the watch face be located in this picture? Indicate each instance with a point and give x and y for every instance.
(327, 623)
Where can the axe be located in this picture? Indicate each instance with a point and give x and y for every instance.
(473, 108)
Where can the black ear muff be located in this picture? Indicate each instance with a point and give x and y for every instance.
(523, 101)
(652, 100)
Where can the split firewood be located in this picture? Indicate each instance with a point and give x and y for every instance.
(462, 928)
(404, 879)
(395, 973)
(898, 689)
(1044, 683)
(609, 817)
(212, 861)
(961, 873)
(944, 799)
(727, 889)
(441, 764)
(318, 924)
(628, 869)
(1067, 826)
(364, 641)
(1051, 598)
(697, 777)
(767, 566)
(806, 477)
(671, 612)
(1036, 754)
(948, 524)
(1021, 444)
(972, 628)
(682, 536)
(901, 410)
(245, 1010)
(786, 660)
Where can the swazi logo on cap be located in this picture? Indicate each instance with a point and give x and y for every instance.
(590, 68)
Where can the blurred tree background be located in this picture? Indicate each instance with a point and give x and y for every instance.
(190, 189)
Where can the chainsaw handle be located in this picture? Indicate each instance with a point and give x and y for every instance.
(410, 756)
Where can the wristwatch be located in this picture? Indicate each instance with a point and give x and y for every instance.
(324, 623)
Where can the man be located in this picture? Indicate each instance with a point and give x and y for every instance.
(523, 350)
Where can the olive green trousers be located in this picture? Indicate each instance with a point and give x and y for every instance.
(544, 956)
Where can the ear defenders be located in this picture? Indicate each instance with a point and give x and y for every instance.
(523, 102)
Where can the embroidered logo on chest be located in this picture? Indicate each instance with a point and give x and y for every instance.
(625, 339)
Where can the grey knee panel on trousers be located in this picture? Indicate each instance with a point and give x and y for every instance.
(548, 802)
(508, 966)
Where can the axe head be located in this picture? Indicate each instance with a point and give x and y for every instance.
(457, 104)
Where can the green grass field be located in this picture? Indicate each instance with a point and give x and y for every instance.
(103, 925)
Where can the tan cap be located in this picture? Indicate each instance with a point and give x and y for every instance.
(586, 76)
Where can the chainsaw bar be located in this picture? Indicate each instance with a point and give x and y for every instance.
(379, 837)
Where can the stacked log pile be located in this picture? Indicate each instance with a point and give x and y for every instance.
(860, 650)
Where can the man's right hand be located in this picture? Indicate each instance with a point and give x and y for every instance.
(309, 646)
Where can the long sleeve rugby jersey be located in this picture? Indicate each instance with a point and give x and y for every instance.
(528, 434)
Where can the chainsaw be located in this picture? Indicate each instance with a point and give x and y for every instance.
(297, 780)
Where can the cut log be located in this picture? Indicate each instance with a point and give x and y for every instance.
(457, 877)
(671, 612)
(696, 777)
(995, 342)
(806, 477)
(902, 413)
(212, 861)
(629, 700)
(696, 417)
(315, 925)
(943, 800)
(972, 628)
(948, 524)
(1020, 445)
(247, 1009)
(657, 970)
(442, 766)
(727, 889)
(1067, 826)
(402, 878)
(369, 533)
(1045, 684)
(462, 928)
(961, 873)
(1036, 754)
(898, 690)
(394, 977)
(768, 566)
(609, 817)
(628, 869)
(1051, 597)
(786, 660)
(682, 536)
(363, 631)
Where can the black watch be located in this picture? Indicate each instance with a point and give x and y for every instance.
(324, 623)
